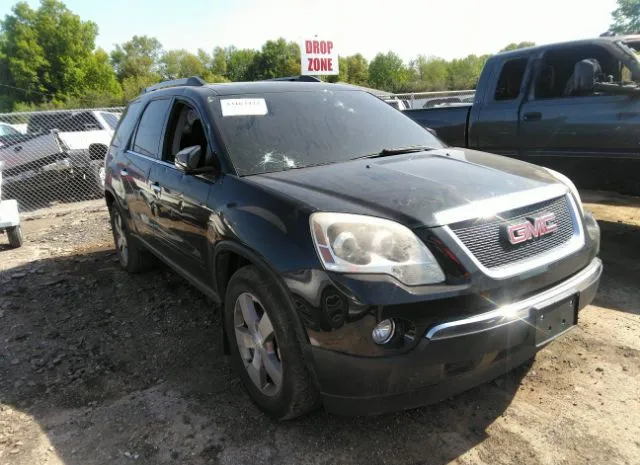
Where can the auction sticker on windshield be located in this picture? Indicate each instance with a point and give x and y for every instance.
(243, 107)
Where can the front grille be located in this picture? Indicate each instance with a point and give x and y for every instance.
(487, 242)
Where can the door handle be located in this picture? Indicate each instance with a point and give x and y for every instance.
(155, 187)
(124, 173)
(533, 116)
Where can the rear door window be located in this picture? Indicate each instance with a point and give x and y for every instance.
(510, 80)
(147, 140)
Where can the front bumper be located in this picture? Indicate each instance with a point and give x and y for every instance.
(452, 357)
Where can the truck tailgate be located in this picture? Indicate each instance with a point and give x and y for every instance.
(449, 122)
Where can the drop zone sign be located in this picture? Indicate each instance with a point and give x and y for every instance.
(319, 57)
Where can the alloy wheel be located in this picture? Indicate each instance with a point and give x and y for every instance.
(257, 344)
(121, 239)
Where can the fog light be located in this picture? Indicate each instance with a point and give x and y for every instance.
(383, 332)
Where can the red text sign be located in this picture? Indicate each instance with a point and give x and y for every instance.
(318, 57)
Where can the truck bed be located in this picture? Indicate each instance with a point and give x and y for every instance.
(450, 122)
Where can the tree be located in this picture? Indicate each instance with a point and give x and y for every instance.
(464, 72)
(387, 72)
(357, 70)
(176, 64)
(516, 46)
(343, 71)
(278, 58)
(48, 54)
(138, 57)
(133, 85)
(239, 63)
(432, 73)
(219, 61)
(626, 18)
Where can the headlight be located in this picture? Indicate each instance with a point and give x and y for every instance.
(363, 244)
(567, 182)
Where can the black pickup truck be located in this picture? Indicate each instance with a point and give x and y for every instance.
(573, 106)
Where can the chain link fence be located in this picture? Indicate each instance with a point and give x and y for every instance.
(425, 100)
(52, 157)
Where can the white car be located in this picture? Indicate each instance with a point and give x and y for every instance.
(10, 218)
(71, 143)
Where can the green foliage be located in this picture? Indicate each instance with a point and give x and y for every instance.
(626, 18)
(176, 64)
(138, 57)
(388, 72)
(239, 63)
(431, 73)
(276, 59)
(516, 46)
(464, 72)
(48, 60)
(357, 70)
(132, 86)
(47, 55)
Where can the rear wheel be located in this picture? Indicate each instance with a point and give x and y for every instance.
(15, 237)
(131, 255)
(264, 348)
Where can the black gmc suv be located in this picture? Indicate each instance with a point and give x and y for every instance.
(359, 262)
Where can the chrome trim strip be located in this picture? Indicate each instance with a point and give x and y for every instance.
(155, 160)
(573, 245)
(518, 310)
(490, 207)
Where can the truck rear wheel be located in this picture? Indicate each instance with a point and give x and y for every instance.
(15, 236)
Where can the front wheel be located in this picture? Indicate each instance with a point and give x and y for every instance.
(264, 348)
(15, 237)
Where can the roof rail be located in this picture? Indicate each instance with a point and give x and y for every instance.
(296, 79)
(193, 81)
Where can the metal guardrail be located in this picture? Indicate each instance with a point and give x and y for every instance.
(56, 156)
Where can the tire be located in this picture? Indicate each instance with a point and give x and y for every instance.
(95, 177)
(283, 397)
(15, 237)
(131, 254)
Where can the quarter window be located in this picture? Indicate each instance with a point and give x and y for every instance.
(147, 139)
(126, 124)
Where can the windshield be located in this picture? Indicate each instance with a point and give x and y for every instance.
(278, 131)
(6, 130)
(111, 119)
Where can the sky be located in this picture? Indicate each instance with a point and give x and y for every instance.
(447, 28)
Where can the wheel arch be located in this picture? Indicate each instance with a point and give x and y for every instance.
(228, 257)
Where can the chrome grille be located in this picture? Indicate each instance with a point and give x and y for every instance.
(485, 240)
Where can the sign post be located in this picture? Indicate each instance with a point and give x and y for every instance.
(318, 57)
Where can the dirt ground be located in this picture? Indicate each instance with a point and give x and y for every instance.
(99, 367)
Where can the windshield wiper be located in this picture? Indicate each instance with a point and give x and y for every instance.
(397, 151)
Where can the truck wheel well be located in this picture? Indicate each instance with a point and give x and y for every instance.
(97, 151)
(227, 263)
(109, 198)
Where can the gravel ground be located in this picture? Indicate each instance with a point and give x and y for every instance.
(99, 367)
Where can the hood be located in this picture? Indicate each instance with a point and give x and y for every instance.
(413, 189)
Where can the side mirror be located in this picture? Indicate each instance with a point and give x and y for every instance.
(188, 159)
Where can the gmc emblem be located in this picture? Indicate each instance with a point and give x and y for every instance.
(524, 231)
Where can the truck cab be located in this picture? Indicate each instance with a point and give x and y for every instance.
(572, 106)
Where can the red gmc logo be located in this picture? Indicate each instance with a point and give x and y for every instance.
(518, 233)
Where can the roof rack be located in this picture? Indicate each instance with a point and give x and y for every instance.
(296, 79)
(193, 81)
